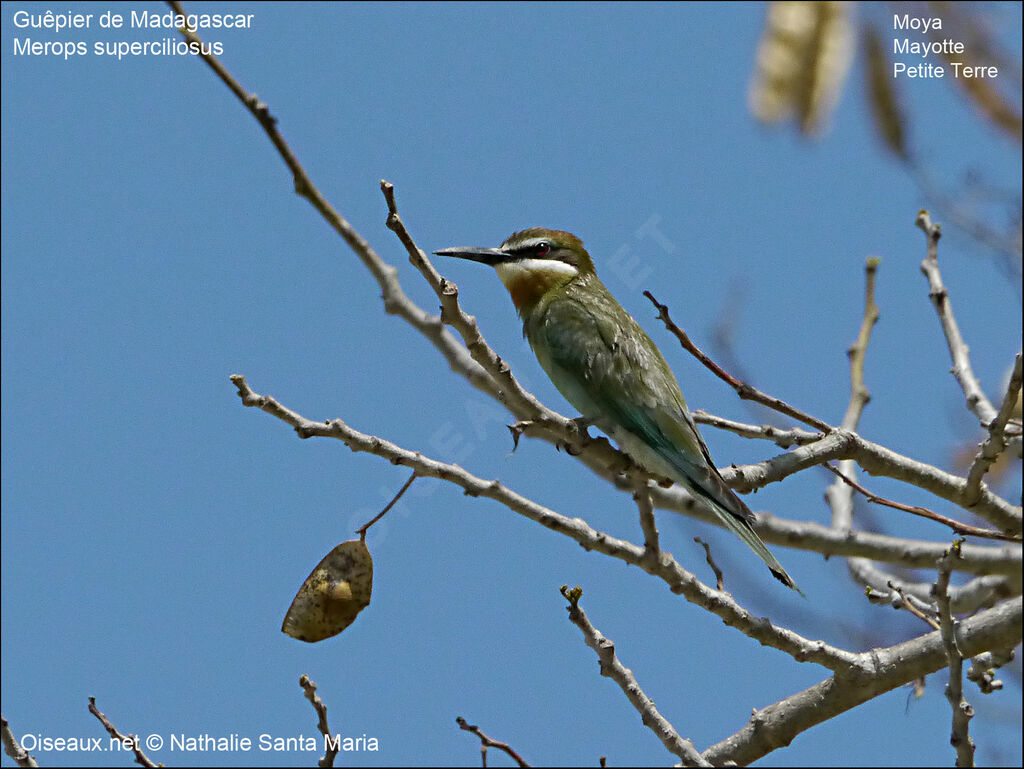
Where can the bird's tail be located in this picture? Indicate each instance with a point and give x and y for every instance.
(742, 529)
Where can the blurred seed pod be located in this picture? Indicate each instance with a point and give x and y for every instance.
(802, 62)
(980, 51)
(885, 104)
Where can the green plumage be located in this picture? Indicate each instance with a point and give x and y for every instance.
(607, 367)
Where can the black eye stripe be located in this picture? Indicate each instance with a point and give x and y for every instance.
(539, 249)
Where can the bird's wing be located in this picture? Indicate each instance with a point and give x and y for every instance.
(617, 370)
(622, 373)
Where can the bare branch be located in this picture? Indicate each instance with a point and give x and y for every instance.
(1004, 561)
(995, 443)
(719, 578)
(12, 747)
(745, 478)
(642, 497)
(924, 512)
(396, 302)
(962, 710)
(808, 535)
(782, 438)
(778, 724)
(913, 605)
(838, 495)
(742, 389)
(330, 744)
(979, 593)
(840, 500)
(487, 742)
(612, 668)
(804, 535)
(876, 460)
(859, 395)
(845, 443)
(976, 400)
(128, 741)
(919, 597)
(510, 393)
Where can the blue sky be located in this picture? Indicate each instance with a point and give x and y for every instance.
(155, 530)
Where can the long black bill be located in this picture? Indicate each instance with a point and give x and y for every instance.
(491, 256)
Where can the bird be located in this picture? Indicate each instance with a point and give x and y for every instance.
(607, 367)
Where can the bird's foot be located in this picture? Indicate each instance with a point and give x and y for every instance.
(573, 445)
(581, 425)
(544, 428)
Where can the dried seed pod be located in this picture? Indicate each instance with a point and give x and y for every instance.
(332, 595)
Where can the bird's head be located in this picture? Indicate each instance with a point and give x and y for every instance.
(532, 262)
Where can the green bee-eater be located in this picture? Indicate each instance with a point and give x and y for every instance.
(609, 369)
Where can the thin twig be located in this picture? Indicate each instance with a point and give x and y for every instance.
(977, 403)
(995, 443)
(910, 603)
(719, 579)
(782, 438)
(962, 710)
(487, 742)
(742, 389)
(979, 593)
(361, 531)
(924, 512)
(510, 392)
(128, 741)
(12, 747)
(838, 495)
(857, 353)
(1002, 560)
(876, 460)
(642, 497)
(330, 742)
(612, 668)
(395, 300)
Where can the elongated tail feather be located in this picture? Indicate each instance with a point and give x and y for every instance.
(696, 472)
(739, 518)
(744, 531)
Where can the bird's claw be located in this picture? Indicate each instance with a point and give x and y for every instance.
(581, 425)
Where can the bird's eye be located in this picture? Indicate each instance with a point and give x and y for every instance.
(543, 248)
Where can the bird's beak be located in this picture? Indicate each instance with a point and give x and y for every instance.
(491, 256)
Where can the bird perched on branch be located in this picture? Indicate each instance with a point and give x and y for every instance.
(609, 369)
